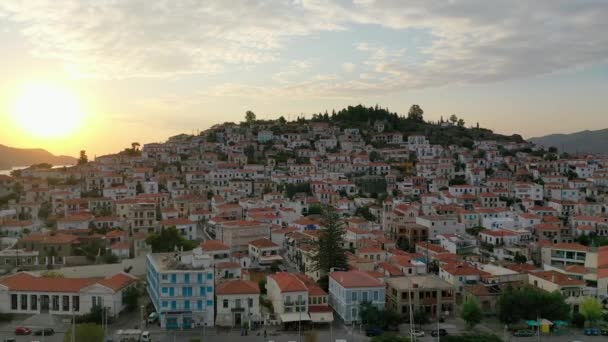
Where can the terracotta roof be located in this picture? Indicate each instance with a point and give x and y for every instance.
(497, 233)
(571, 246)
(350, 279)
(237, 287)
(213, 245)
(23, 281)
(558, 278)
(176, 222)
(263, 243)
(578, 269)
(227, 264)
(463, 270)
(48, 238)
(288, 282)
(118, 281)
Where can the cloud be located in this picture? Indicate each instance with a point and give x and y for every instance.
(470, 41)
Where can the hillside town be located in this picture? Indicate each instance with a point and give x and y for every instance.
(356, 224)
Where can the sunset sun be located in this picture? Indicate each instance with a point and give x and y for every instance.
(47, 111)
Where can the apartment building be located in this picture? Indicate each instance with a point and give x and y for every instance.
(427, 294)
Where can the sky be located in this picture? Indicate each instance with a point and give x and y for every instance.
(144, 70)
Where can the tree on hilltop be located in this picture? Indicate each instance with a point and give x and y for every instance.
(415, 113)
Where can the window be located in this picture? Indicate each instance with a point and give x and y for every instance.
(174, 278)
(14, 302)
(65, 303)
(364, 296)
(209, 275)
(173, 305)
(354, 296)
(23, 302)
(165, 290)
(250, 302)
(171, 291)
(225, 303)
(199, 305)
(34, 302)
(199, 278)
(187, 291)
(164, 277)
(165, 304)
(376, 295)
(209, 289)
(76, 303)
(187, 278)
(56, 303)
(187, 305)
(209, 303)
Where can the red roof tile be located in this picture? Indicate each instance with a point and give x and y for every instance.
(350, 279)
(237, 287)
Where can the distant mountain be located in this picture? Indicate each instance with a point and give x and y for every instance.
(12, 157)
(585, 141)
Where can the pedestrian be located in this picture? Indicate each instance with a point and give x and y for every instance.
(265, 335)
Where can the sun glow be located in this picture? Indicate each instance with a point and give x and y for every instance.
(47, 111)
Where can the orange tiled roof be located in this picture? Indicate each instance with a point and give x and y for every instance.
(237, 287)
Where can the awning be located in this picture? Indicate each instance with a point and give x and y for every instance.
(294, 317)
(322, 317)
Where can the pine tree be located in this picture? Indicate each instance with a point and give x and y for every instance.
(329, 249)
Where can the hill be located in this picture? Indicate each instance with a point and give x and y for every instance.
(441, 133)
(12, 157)
(585, 141)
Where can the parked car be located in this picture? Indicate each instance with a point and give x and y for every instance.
(10, 339)
(523, 333)
(604, 332)
(22, 331)
(439, 333)
(145, 336)
(44, 332)
(153, 317)
(592, 332)
(373, 331)
(418, 333)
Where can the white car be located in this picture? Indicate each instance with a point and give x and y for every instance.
(417, 333)
(145, 336)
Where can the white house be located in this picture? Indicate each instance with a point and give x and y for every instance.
(238, 303)
(348, 290)
(264, 252)
(24, 293)
(289, 297)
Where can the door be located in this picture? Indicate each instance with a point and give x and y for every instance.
(237, 318)
(44, 304)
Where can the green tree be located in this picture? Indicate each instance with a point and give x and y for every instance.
(460, 123)
(131, 298)
(421, 317)
(250, 117)
(374, 156)
(471, 313)
(526, 303)
(453, 119)
(520, 259)
(85, 332)
(328, 250)
(83, 159)
(591, 308)
(415, 113)
(167, 240)
(315, 209)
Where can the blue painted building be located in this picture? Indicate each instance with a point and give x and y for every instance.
(181, 287)
(348, 290)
